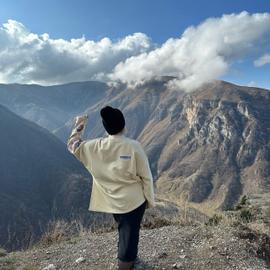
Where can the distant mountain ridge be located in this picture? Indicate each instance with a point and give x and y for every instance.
(210, 145)
(51, 106)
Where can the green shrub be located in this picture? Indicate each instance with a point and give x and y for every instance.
(214, 220)
(246, 215)
(242, 203)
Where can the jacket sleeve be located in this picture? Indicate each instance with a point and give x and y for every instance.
(144, 172)
(75, 143)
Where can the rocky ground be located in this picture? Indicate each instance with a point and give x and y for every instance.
(169, 247)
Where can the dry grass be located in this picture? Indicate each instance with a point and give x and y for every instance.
(162, 215)
(192, 212)
(60, 230)
(181, 212)
(100, 225)
(260, 227)
(208, 208)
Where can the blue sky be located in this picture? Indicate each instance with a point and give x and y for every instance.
(116, 19)
(159, 19)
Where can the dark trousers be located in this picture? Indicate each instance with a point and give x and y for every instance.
(128, 233)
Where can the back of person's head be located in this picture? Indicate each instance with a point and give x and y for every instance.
(113, 119)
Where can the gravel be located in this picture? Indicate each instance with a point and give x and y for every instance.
(170, 247)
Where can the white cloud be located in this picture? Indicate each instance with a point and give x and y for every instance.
(263, 60)
(30, 58)
(201, 54)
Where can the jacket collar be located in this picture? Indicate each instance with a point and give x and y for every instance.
(120, 136)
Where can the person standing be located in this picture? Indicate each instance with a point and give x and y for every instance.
(122, 178)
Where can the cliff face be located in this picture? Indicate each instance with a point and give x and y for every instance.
(217, 144)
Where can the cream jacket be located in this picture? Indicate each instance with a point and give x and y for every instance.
(122, 179)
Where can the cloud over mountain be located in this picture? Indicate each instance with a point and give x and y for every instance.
(202, 53)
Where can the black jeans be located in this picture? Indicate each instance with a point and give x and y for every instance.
(128, 233)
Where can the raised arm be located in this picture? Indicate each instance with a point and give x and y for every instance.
(75, 141)
(144, 172)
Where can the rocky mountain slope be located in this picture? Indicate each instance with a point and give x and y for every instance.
(208, 147)
(39, 179)
(217, 145)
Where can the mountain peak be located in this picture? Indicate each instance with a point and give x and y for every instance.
(222, 90)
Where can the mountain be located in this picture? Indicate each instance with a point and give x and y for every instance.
(215, 145)
(209, 146)
(40, 181)
(52, 106)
